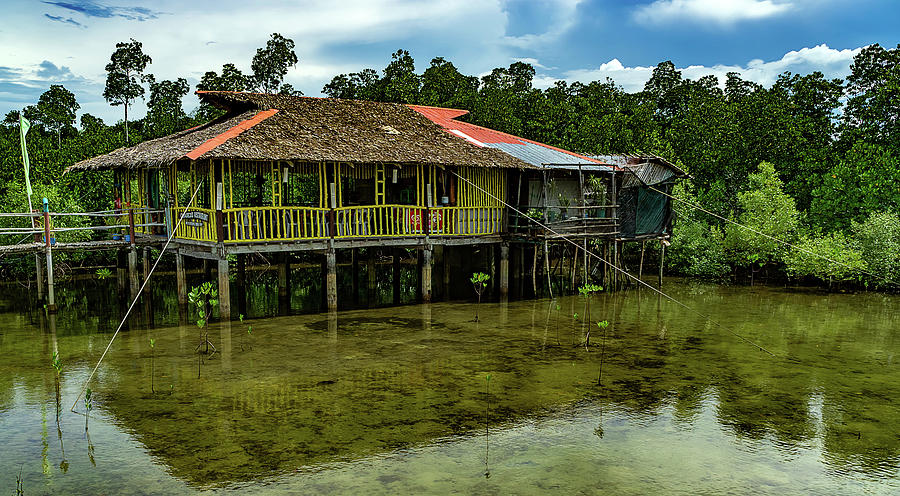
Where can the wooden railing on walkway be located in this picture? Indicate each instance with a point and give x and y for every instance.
(256, 224)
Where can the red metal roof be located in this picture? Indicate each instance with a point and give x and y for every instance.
(242, 126)
(446, 118)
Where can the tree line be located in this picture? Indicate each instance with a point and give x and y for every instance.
(809, 159)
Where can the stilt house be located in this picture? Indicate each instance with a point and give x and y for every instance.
(283, 174)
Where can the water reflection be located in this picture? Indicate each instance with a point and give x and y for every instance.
(315, 390)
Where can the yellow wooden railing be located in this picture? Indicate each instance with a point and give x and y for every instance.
(465, 221)
(379, 221)
(199, 224)
(255, 224)
(260, 224)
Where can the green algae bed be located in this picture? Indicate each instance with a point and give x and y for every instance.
(420, 399)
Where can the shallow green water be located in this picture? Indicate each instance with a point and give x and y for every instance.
(397, 400)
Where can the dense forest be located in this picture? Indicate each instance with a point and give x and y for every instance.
(810, 160)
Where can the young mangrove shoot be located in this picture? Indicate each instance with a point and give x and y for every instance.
(479, 282)
(602, 325)
(88, 406)
(249, 333)
(204, 298)
(587, 292)
(57, 369)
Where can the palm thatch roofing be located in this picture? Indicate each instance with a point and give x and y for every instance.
(280, 127)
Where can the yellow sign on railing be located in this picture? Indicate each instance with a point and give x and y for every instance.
(199, 224)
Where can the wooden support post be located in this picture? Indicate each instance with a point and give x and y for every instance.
(534, 272)
(445, 256)
(641, 265)
(121, 272)
(180, 279)
(547, 268)
(504, 271)
(331, 279)
(426, 273)
(51, 295)
(133, 272)
(241, 281)
(39, 269)
(282, 276)
(354, 255)
(371, 279)
(396, 276)
(224, 290)
(662, 256)
(145, 262)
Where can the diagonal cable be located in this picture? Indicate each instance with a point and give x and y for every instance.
(136, 296)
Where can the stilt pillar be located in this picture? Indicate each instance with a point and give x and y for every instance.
(39, 273)
(133, 273)
(145, 262)
(426, 273)
(224, 290)
(121, 273)
(662, 256)
(331, 280)
(354, 255)
(504, 271)
(282, 277)
(241, 283)
(51, 294)
(180, 279)
(445, 258)
(371, 279)
(396, 276)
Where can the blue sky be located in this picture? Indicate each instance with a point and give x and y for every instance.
(69, 41)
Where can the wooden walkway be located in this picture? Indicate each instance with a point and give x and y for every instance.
(82, 245)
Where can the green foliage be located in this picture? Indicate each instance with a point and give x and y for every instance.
(829, 258)
(56, 363)
(587, 290)
(124, 75)
(479, 280)
(270, 64)
(766, 208)
(204, 298)
(103, 273)
(164, 112)
(878, 241)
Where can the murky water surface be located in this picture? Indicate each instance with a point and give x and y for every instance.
(422, 400)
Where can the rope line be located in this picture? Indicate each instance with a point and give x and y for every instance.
(136, 297)
(773, 238)
(598, 257)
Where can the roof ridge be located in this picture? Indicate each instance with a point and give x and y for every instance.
(214, 142)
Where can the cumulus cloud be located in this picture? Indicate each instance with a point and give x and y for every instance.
(832, 63)
(720, 12)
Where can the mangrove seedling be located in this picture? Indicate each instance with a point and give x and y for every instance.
(249, 333)
(88, 406)
(57, 369)
(152, 348)
(602, 325)
(203, 298)
(587, 291)
(103, 273)
(479, 282)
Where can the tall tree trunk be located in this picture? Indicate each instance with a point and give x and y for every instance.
(126, 122)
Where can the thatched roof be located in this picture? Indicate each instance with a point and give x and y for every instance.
(279, 127)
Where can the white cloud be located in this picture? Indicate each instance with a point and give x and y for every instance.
(722, 12)
(832, 63)
(563, 16)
